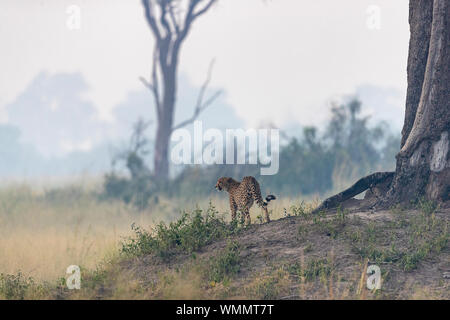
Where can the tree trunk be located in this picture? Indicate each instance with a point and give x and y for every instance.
(423, 167)
(165, 123)
(161, 159)
(170, 22)
(423, 164)
(420, 16)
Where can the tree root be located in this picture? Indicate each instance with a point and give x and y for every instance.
(361, 185)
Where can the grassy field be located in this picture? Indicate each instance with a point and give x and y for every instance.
(203, 255)
(42, 232)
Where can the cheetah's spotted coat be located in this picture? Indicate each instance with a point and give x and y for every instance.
(242, 195)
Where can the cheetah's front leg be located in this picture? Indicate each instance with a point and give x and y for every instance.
(246, 213)
(233, 208)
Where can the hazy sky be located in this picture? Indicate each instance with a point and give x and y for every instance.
(279, 60)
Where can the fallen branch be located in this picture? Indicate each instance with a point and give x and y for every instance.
(361, 185)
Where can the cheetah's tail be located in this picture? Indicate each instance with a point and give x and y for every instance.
(268, 198)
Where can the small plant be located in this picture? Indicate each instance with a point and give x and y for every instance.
(260, 218)
(94, 278)
(267, 289)
(315, 268)
(331, 227)
(341, 216)
(16, 286)
(302, 231)
(319, 217)
(269, 286)
(428, 207)
(302, 210)
(309, 247)
(225, 264)
(354, 236)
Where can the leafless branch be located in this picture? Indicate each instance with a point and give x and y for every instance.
(173, 19)
(205, 8)
(146, 83)
(163, 5)
(154, 85)
(201, 105)
(137, 139)
(149, 16)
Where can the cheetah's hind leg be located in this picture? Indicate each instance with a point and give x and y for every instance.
(266, 213)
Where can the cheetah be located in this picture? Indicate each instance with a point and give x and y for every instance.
(242, 195)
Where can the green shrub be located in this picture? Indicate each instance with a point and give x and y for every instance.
(314, 268)
(16, 286)
(186, 235)
(267, 288)
(137, 190)
(425, 234)
(428, 207)
(225, 264)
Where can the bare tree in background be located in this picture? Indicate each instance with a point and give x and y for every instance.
(423, 164)
(170, 22)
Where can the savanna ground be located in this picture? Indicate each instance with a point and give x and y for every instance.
(163, 253)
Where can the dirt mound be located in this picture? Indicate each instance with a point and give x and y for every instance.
(301, 256)
(325, 256)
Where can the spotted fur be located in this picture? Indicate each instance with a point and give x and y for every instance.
(242, 195)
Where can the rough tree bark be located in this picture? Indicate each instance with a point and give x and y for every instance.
(423, 164)
(423, 167)
(170, 22)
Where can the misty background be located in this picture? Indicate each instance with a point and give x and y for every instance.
(69, 97)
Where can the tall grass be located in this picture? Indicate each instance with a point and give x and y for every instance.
(43, 231)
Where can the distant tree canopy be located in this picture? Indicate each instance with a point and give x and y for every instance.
(349, 147)
(314, 163)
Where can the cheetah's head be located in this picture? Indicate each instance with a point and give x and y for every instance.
(223, 183)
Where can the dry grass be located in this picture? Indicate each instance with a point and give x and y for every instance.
(277, 208)
(43, 231)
